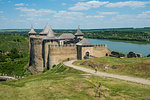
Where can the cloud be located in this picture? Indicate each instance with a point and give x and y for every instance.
(94, 16)
(128, 3)
(63, 4)
(70, 15)
(19, 4)
(24, 9)
(145, 15)
(20, 21)
(108, 13)
(124, 17)
(1, 12)
(3, 18)
(87, 5)
(34, 12)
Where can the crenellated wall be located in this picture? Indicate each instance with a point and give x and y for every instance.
(101, 50)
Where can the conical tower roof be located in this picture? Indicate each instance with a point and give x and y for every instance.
(46, 29)
(50, 33)
(79, 32)
(32, 30)
(84, 42)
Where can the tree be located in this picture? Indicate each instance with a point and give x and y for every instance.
(2, 58)
(14, 53)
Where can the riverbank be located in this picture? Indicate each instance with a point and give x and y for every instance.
(126, 41)
(124, 47)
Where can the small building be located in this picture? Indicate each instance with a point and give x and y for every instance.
(66, 38)
(85, 49)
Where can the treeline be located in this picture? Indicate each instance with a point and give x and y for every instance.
(119, 35)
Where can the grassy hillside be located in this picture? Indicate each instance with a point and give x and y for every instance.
(139, 67)
(64, 83)
(67, 83)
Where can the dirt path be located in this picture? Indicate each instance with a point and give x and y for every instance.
(121, 77)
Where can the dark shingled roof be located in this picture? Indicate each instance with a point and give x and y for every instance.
(79, 32)
(32, 30)
(84, 42)
(66, 36)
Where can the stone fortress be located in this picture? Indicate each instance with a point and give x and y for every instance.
(47, 50)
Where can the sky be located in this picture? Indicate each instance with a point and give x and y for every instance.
(69, 14)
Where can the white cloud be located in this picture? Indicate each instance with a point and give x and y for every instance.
(129, 3)
(87, 5)
(34, 12)
(108, 13)
(94, 16)
(123, 17)
(63, 4)
(70, 15)
(145, 14)
(24, 9)
(3, 18)
(1, 12)
(20, 21)
(19, 4)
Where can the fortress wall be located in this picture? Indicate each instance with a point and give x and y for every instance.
(101, 50)
(46, 50)
(61, 53)
(36, 61)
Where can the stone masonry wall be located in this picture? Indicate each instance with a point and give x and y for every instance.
(46, 52)
(100, 50)
(87, 49)
(61, 53)
(36, 61)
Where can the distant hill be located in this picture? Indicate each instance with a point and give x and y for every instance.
(145, 29)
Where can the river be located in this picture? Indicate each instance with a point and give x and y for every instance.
(124, 47)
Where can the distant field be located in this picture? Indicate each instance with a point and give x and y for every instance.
(133, 35)
(147, 30)
(64, 83)
(138, 67)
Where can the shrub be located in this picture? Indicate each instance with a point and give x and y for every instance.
(148, 55)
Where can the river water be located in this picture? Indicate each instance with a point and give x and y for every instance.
(124, 47)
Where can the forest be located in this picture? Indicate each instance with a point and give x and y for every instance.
(13, 54)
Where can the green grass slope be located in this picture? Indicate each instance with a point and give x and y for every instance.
(64, 83)
(138, 67)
